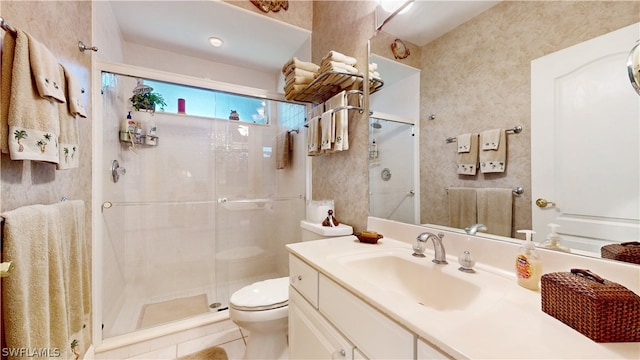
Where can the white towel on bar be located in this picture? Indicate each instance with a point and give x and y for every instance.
(326, 129)
(313, 136)
(341, 119)
(464, 143)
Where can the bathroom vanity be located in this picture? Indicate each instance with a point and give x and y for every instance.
(351, 300)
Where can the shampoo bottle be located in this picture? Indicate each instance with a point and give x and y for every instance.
(528, 264)
(553, 240)
(124, 128)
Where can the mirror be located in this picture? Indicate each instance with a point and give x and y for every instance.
(476, 76)
(633, 66)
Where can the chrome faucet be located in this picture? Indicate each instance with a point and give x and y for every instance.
(473, 229)
(420, 245)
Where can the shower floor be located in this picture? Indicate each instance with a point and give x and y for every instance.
(171, 310)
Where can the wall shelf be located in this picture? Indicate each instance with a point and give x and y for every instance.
(330, 83)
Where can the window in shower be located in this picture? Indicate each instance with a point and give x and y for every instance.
(201, 214)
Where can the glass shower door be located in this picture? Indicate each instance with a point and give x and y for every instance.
(392, 171)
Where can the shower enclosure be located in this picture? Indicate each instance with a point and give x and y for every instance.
(393, 185)
(203, 211)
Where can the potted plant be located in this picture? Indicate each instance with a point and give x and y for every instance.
(148, 101)
(145, 99)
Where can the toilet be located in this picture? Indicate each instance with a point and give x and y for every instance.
(262, 308)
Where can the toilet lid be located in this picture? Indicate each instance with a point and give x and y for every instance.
(262, 295)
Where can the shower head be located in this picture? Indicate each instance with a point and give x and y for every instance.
(376, 125)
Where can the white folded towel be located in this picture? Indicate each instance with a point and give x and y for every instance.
(493, 161)
(467, 154)
(491, 139)
(337, 66)
(339, 57)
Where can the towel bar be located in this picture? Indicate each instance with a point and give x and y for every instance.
(516, 130)
(517, 191)
(6, 27)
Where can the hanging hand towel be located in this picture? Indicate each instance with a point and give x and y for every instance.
(467, 154)
(325, 131)
(462, 207)
(69, 140)
(32, 121)
(495, 210)
(45, 71)
(491, 139)
(492, 161)
(313, 136)
(341, 117)
(283, 148)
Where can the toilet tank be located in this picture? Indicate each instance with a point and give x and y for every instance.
(315, 231)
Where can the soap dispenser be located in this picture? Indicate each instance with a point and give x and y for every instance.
(528, 264)
(553, 240)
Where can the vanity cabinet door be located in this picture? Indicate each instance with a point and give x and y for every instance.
(311, 336)
(375, 335)
(304, 278)
(426, 351)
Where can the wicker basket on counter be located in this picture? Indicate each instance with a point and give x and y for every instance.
(600, 309)
(626, 251)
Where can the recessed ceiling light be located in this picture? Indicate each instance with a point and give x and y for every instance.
(215, 42)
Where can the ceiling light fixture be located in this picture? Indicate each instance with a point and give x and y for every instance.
(215, 41)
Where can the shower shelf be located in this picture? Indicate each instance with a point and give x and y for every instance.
(141, 140)
(330, 83)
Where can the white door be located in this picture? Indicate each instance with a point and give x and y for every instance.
(585, 157)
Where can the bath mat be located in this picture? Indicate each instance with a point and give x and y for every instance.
(212, 353)
(176, 309)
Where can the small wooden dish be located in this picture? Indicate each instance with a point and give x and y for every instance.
(368, 239)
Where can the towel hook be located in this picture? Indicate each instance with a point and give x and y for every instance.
(84, 47)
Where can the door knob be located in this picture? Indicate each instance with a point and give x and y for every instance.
(543, 203)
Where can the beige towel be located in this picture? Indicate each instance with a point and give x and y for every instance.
(467, 154)
(47, 298)
(337, 66)
(32, 121)
(339, 57)
(341, 119)
(297, 80)
(69, 140)
(313, 136)
(495, 210)
(283, 150)
(492, 161)
(74, 94)
(45, 71)
(462, 207)
(301, 72)
(295, 63)
(326, 128)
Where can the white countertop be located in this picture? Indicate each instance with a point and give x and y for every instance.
(511, 326)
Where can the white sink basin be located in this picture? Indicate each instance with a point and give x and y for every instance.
(440, 287)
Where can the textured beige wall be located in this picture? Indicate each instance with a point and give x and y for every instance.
(59, 25)
(477, 77)
(344, 26)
